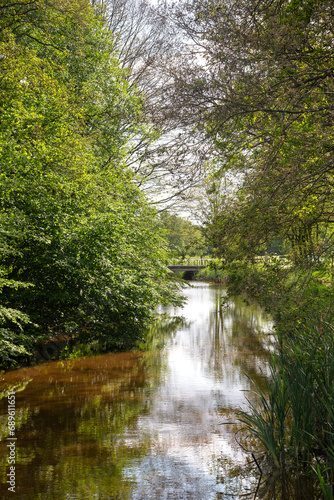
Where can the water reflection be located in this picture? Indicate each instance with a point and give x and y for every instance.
(287, 487)
(193, 455)
(142, 426)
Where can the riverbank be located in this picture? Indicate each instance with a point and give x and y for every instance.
(294, 420)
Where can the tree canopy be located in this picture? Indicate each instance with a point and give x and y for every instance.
(262, 89)
(81, 249)
(184, 238)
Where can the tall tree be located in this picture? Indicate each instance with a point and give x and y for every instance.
(74, 227)
(263, 91)
(170, 160)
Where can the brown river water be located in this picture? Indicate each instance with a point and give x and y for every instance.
(141, 425)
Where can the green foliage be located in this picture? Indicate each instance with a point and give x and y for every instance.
(13, 341)
(73, 224)
(267, 418)
(267, 103)
(184, 238)
(214, 271)
(293, 418)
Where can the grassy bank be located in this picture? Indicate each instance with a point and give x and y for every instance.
(294, 418)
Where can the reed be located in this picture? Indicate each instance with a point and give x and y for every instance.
(266, 417)
(294, 417)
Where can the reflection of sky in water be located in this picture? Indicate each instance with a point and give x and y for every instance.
(191, 455)
(135, 426)
(164, 477)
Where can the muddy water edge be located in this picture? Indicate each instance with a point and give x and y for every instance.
(141, 425)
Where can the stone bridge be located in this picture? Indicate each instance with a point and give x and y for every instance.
(188, 265)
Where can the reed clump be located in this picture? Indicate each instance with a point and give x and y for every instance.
(293, 418)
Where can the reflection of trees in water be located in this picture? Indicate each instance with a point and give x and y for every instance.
(161, 330)
(80, 431)
(274, 487)
(247, 317)
(277, 486)
(237, 339)
(74, 438)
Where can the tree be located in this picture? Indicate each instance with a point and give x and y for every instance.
(169, 161)
(75, 228)
(262, 90)
(184, 238)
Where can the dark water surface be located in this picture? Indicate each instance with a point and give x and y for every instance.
(141, 426)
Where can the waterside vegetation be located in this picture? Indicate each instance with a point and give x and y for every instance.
(82, 251)
(292, 419)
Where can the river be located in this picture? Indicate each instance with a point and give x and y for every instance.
(156, 425)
